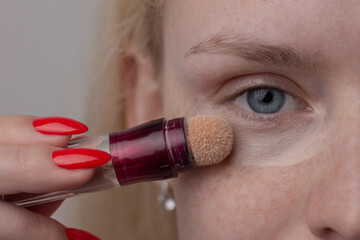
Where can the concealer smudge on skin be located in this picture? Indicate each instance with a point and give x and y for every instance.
(270, 146)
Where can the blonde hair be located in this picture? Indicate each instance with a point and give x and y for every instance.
(127, 212)
(123, 22)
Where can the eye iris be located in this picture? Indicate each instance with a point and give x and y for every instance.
(266, 100)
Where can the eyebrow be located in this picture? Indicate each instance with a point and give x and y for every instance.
(230, 44)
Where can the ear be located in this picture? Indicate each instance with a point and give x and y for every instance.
(142, 89)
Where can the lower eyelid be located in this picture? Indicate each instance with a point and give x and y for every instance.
(234, 112)
(258, 121)
(261, 122)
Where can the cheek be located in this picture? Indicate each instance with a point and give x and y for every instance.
(231, 202)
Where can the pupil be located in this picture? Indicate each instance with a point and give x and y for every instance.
(268, 97)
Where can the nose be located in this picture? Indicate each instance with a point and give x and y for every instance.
(333, 211)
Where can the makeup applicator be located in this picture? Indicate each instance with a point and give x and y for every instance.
(155, 150)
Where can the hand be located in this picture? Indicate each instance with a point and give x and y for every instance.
(26, 165)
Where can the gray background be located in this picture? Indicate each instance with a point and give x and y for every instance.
(45, 59)
(45, 51)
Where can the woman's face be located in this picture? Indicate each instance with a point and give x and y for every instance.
(286, 76)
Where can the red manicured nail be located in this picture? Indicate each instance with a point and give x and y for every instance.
(75, 158)
(59, 126)
(76, 234)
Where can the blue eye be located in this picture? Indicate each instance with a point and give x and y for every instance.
(265, 100)
(268, 101)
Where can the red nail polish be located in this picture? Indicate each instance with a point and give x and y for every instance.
(75, 158)
(76, 234)
(59, 126)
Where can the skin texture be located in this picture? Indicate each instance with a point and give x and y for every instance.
(295, 174)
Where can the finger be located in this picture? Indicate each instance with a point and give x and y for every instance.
(17, 223)
(46, 209)
(30, 168)
(15, 129)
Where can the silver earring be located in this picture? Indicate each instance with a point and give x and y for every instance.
(165, 198)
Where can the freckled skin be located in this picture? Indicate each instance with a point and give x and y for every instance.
(315, 198)
(240, 202)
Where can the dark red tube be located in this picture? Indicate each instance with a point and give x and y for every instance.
(155, 150)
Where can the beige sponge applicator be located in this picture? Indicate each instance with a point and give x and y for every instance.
(210, 139)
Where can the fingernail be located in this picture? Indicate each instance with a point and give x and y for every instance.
(76, 158)
(76, 234)
(59, 126)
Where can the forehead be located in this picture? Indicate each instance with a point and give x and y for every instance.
(320, 24)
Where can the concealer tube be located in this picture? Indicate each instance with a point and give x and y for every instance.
(155, 150)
